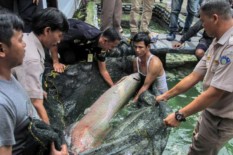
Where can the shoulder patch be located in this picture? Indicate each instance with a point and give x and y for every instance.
(224, 60)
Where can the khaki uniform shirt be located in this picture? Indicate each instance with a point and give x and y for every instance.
(30, 73)
(217, 68)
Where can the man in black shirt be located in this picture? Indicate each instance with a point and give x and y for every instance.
(84, 42)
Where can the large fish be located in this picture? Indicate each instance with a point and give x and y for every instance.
(93, 127)
(137, 129)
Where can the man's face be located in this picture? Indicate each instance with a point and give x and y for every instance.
(52, 38)
(140, 48)
(108, 45)
(209, 24)
(15, 52)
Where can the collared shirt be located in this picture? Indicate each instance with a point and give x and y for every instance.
(30, 73)
(217, 68)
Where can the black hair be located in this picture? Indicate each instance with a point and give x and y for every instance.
(8, 23)
(49, 17)
(219, 7)
(142, 36)
(111, 34)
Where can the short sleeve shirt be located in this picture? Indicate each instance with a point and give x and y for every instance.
(30, 73)
(217, 68)
(15, 109)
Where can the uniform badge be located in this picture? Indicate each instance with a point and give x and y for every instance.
(224, 60)
(90, 57)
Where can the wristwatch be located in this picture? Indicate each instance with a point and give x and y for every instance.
(179, 117)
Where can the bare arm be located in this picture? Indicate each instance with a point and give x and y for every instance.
(33, 85)
(58, 67)
(184, 85)
(207, 98)
(6, 150)
(104, 72)
(39, 106)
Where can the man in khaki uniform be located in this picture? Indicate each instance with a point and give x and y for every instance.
(48, 26)
(215, 126)
(147, 6)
